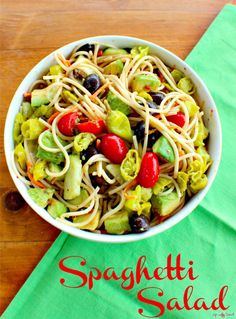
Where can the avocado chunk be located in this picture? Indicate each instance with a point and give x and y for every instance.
(41, 196)
(118, 223)
(114, 67)
(164, 205)
(43, 96)
(56, 208)
(80, 199)
(164, 150)
(116, 104)
(145, 82)
(92, 225)
(114, 51)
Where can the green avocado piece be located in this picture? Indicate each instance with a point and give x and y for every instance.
(43, 96)
(145, 82)
(80, 199)
(163, 149)
(114, 51)
(56, 208)
(114, 67)
(116, 104)
(118, 223)
(164, 205)
(41, 196)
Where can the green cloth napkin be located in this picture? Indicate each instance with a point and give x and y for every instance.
(207, 236)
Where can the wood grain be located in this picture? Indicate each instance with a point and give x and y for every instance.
(32, 29)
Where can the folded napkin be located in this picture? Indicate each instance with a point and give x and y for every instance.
(207, 237)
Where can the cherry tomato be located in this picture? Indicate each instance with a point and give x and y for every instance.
(67, 123)
(149, 170)
(95, 127)
(113, 147)
(100, 53)
(178, 119)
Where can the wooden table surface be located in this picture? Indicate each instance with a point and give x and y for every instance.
(32, 29)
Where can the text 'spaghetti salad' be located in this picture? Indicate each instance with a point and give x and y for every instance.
(111, 140)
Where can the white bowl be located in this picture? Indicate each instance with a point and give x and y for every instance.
(204, 98)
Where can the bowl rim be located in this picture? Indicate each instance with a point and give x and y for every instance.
(108, 238)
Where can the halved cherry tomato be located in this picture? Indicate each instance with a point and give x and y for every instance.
(67, 123)
(178, 119)
(95, 127)
(100, 53)
(149, 170)
(113, 147)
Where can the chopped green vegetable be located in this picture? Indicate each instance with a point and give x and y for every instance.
(17, 136)
(73, 178)
(197, 179)
(186, 85)
(146, 194)
(164, 205)
(118, 223)
(192, 108)
(145, 209)
(82, 141)
(55, 69)
(130, 165)
(32, 128)
(145, 82)
(41, 196)
(141, 50)
(54, 168)
(116, 104)
(56, 208)
(20, 155)
(202, 134)
(55, 158)
(26, 110)
(177, 75)
(134, 199)
(114, 51)
(39, 170)
(163, 148)
(182, 180)
(48, 141)
(201, 150)
(68, 96)
(118, 123)
(43, 110)
(43, 96)
(160, 185)
(114, 170)
(114, 67)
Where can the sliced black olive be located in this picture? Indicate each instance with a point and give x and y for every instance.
(139, 131)
(14, 201)
(99, 181)
(139, 223)
(77, 74)
(86, 47)
(89, 152)
(157, 97)
(153, 105)
(92, 83)
(152, 138)
(127, 49)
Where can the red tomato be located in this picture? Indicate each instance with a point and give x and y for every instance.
(149, 170)
(95, 127)
(67, 123)
(178, 119)
(100, 53)
(113, 147)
